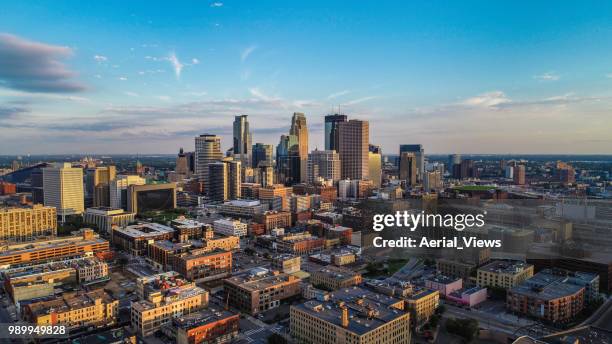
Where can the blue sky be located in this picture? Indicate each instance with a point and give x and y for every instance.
(146, 77)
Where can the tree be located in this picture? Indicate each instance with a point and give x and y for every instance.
(276, 338)
(466, 328)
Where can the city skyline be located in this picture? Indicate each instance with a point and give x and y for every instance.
(485, 79)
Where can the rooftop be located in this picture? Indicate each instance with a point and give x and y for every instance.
(259, 279)
(505, 266)
(202, 317)
(336, 272)
(145, 230)
(70, 301)
(552, 284)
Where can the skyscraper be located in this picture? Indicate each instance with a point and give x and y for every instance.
(63, 189)
(324, 164)
(288, 160)
(299, 129)
(261, 152)
(97, 181)
(118, 190)
(408, 168)
(453, 159)
(375, 165)
(419, 153)
(207, 150)
(331, 130)
(242, 140)
(519, 175)
(353, 141)
(182, 164)
(225, 180)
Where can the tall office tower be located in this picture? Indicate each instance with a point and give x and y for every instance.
(182, 164)
(225, 180)
(299, 129)
(234, 178)
(331, 130)
(218, 183)
(509, 172)
(207, 150)
(519, 175)
(190, 156)
(323, 164)
(353, 141)
(465, 169)
(242, 140)
(266, 173)
(453, 159)
(432, 181)
(375, 165)
(118, 190)
(262, 152)
(36, 179)
(97, 181)
(565, 172)
(419, 153)
(63, 189)
(408, 168)
(288, 160)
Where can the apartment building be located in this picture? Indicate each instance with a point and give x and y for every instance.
(334, 277)
(26, 223)
(503, 274)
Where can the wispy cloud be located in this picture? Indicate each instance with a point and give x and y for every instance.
(122, 78)
(360, 100)
(548, 76)
(131, 94)
(176, 64)
(35, 67)
(216, 4)
(338, 94)
(100, 58)
(487, 100)
(247, 52)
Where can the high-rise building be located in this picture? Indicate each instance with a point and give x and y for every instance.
(375, 165)
(225, 179)
(118, 189)
(465, 169)
(419, 154)
(323, 164)
(242, 140)
(22, 224)
(299, 129)
(182, 164)
(353, 141)
(519, 175)
(262, 153)
(288, 160)
(207, 150)
(331, 131)
(151, 197)
(432, 181)
(63, 189)
(265, 174)
(453, 159)
(97, 181)
(408, 168)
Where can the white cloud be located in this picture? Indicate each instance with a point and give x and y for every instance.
(247, 52)
(100, 58)
(338, 94)
(122, 78)
(176, 64)
(164, 98)
(131, 94)
(216, 4)
(360, 100)
(487, 100)
(548, 76)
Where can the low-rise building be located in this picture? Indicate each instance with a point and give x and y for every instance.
(274, 219)
(105, 218)
(549, 296)
(74, 310)
(333, 278)
(135, 239)
(242, 208)
(444, 284)
(286, 263)
(204, 265)
(86, 243)
(26, 223)
(259, 290)
(211, 325)
(422, 304)
(188, 229)
(164, 297)
(348, 319)
(503, 274)
(468, 297)
(230, 227)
